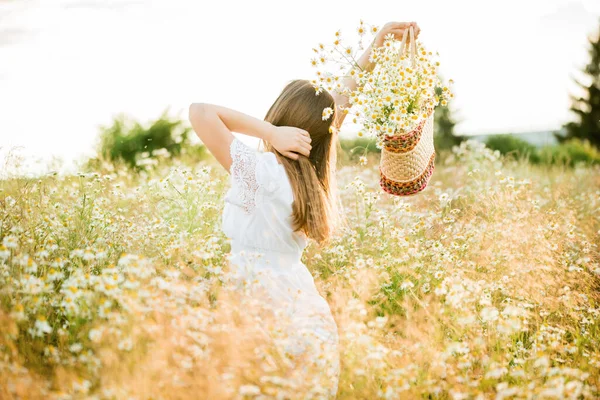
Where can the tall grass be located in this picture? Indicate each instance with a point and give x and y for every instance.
(115, 285)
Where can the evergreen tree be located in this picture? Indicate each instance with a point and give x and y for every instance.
(587, 107)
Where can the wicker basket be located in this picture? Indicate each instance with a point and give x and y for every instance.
(407, 160)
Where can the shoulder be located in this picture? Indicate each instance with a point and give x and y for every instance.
(269, 173)
(254, 168)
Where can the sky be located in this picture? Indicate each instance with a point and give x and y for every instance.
(68, 67)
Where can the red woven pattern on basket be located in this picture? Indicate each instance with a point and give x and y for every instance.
(411, 187)
(406, 142)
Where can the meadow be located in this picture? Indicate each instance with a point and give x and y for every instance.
(115, 285)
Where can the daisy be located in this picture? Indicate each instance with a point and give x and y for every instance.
(327, 112)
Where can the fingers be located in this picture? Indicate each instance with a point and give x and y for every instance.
(416, 29)
(398, 33)
(303, 145)
(299, 145)
(303, 148)
(305, 135)
(401, 25)
(305, 139)
(397, 28)
(291, 155)
(294, 155)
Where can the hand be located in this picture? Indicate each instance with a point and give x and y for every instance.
(397, 29)
(290, 141)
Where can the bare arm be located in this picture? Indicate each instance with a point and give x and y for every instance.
(363, 63)
(214, 126)
(349, 82)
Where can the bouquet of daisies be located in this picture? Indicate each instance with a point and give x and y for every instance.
(393, 102)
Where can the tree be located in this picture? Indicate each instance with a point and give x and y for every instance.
(444, 123)
(587, 107)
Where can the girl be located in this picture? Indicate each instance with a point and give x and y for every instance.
(282, 197)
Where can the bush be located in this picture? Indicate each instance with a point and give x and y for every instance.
(513, 146)
(130, 142)
(570, 153)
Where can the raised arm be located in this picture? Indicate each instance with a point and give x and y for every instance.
(364, 64)
(214, 126)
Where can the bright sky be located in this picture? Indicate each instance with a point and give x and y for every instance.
(68, 66)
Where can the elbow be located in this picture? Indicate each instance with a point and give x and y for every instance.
(198, 115)
(196, 111)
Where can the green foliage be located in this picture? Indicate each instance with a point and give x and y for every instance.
(570, 153)
(512, 145)
(444, 124)
(587, 107)
(357, 147)
(129, 141)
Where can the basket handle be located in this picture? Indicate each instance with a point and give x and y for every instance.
(411, 44)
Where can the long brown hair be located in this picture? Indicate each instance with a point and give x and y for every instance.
(310, 177)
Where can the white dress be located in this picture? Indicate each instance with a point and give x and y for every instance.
(266, 250)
